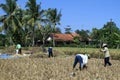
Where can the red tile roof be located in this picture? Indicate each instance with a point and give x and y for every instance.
(64, 37)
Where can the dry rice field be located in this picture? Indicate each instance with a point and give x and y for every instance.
(56, 68)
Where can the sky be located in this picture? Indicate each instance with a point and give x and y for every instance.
(81, 14)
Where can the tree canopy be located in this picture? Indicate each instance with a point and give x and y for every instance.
(27, 26)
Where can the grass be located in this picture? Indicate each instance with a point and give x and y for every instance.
(39, 67)
(94, 52)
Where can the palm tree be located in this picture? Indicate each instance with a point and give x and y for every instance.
(34, 16)
(54, 18)
(9, 19)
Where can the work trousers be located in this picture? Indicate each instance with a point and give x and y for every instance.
(106, 61)
(50, 54)
(78, 59)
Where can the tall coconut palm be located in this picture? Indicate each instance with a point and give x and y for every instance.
(9, 19)
(54, 17)
(34, 16)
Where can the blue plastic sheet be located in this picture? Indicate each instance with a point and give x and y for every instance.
(6, 56)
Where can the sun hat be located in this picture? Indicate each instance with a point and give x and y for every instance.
(104, 44)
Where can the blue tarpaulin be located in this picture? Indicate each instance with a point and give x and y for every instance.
(6, 56)
(10, 56)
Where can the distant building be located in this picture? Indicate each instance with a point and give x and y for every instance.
(63, 38)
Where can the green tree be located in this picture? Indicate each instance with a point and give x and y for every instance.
(77, 40)
(68, 29)
(116, 39)
(2, 40)
(34, 16)
(54, 18)
(9, 20)
(45, 31)
(58, 30)
(107, 34)
(84, 34)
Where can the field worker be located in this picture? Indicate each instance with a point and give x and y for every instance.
(18, 49)
(50, 52)
(107, 55)
(82, 59)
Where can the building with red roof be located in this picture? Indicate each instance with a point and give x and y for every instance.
(63, 38)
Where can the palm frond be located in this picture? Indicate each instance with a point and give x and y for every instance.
(31, 22)
(14, 25)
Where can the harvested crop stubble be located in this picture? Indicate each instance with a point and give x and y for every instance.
(56, 68)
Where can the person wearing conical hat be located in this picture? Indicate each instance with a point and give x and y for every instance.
(106, 55)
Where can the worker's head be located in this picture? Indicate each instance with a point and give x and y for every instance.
(104, 45)
(88, 55)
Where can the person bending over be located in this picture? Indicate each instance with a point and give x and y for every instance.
(82, 60)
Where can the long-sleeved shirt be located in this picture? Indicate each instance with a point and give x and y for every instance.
(84, 58)
(106, 52)
(50, 49)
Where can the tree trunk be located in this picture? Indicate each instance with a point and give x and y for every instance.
(33, 37)
(54, 35)
(33, 41)
(43, 41)
(118, 46)
(53, 40)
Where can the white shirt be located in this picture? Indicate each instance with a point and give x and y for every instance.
(84, 57)
(106, 52)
